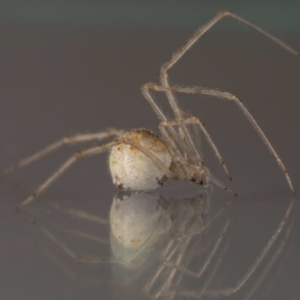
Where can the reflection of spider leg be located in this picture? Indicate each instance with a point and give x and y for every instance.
(85, 216)
(214, 270)
(64, 141)
(173, 248)
(169, 251)
(276, 275)
(271, 263)
(79, 214)
(265, 250)
(244, 279)
(191, 294)
(67, 249)
(208, 259)
(64, 167)
(203, 228)
(90, 281)
(230, 97)
(232, 290)
(82, 278)
(57, 262)
(168, 279)
(86, 236)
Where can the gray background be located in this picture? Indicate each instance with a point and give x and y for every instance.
(76, 67)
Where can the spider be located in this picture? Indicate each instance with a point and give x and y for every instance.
(139, 159)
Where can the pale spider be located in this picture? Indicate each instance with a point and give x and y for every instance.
(140, 160)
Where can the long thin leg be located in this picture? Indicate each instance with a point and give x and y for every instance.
(80, 214)
(270, 264)
(148, 153)
(203, 29)
(208, 259)
(169, 251)
(189, 149)
(70, 252)
(261, 256)
(232, 290)
(169, 279)
(64, 141)
(198, 232)
(64, 167)
(237, 101)
(193, 120)
(215, 270)
(196, 36)
(195, 132)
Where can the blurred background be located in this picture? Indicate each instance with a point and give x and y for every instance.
(76, 66)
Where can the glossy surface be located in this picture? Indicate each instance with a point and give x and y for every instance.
(60, 81)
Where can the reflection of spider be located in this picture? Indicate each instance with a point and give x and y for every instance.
(164, 248)
(140, 160)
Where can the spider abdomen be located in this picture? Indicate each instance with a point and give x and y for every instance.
(132, 168)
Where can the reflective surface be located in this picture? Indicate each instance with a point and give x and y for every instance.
(183, 241)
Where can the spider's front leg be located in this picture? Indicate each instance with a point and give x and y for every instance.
(78, 138)
(64, 167)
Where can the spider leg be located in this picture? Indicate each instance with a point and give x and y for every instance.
(64, 167)
(218, 183)
(146, 92)
(171, 135)
(195, 131)
(193, 120)
(202, 30)
(196, 36)
(148, 153)
(237, 101)
(64, 141)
